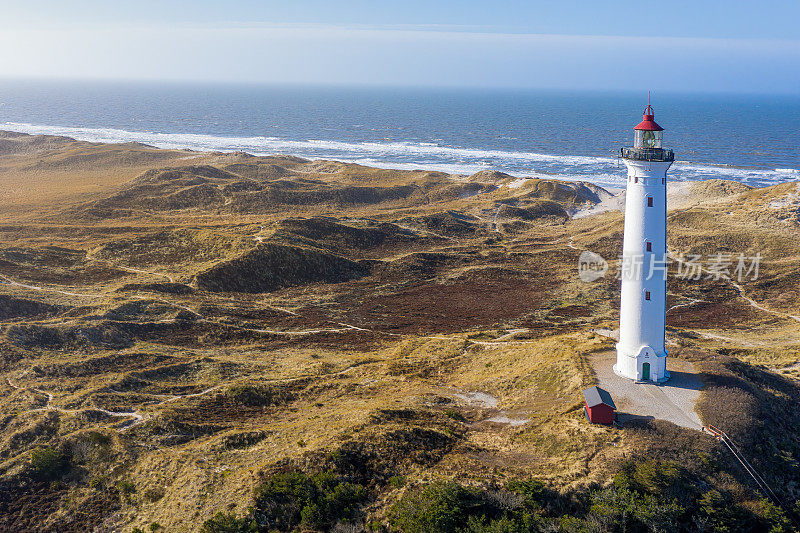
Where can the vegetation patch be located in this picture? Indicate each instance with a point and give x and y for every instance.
(334, 234)
(758, 410)
(295, 500)
(48, 463)
(534, 210)
(271, 266)
(169, 189)
(11, 308)
(166, 288)
(103, 335)
(644, 496)
(475, 299)
(451, 223)
(256, 395)
(242, 439)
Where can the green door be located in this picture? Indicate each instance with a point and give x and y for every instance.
(646, 372)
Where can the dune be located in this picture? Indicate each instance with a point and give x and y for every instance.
(186, 334)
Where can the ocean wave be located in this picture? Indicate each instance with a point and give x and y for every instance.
(605, 171)
(598, 178)
(260, 144)
(733, 173)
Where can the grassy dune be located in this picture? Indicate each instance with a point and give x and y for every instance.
(180, 328)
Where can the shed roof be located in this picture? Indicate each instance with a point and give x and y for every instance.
(596, 396)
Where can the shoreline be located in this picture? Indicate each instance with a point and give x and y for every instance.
(395, 155)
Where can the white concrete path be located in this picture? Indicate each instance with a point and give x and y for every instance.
(673, 401)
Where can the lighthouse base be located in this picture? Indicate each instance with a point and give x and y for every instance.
(642, 365)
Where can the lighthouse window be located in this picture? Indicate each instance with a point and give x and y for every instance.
(649, 201)
(636, 179)
(649, 246)
(646, 295)
(647, 139)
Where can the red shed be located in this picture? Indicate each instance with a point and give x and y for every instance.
(599, 406)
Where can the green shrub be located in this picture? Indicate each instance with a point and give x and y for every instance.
(48, 463)
(720, 513)
(626, 510)
(255, 395)
(126, 490)
(100, 439)
(664, 479)
(455, 415)
(228, 523)
(448, 506)
(646, 496)
(663, 496)
(292, 500)
(504, 524)
(287, 500)
(531, 489)
(439, 507)
(153, 494)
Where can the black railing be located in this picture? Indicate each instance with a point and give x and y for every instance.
(648, 154)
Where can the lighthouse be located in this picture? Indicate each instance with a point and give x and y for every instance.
(641, 353)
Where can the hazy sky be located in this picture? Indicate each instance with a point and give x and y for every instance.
(700, 45)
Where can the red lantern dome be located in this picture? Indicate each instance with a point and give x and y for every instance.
(647, 123)
(647, 140)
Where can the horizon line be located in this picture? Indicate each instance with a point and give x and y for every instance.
(376, 85)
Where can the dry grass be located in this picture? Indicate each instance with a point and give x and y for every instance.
(448, 301)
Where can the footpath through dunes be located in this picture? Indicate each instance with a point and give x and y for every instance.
(238, 318)
(732, 227)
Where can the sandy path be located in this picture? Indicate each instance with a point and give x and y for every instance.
(46, 289)
(90, 257)
(741, 293)
(137, 418)
(687, 304)
(346, 327)
(755, 304)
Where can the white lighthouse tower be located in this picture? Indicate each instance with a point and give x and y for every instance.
(641, 354)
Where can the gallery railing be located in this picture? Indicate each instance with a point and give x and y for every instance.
(648, 154)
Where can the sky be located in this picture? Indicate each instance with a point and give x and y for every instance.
(686, 46)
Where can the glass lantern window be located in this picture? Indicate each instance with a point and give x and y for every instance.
(648, 139)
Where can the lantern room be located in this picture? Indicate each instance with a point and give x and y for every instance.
(647, 142)
(648, 134)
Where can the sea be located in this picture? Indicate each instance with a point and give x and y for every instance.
(569, 135)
